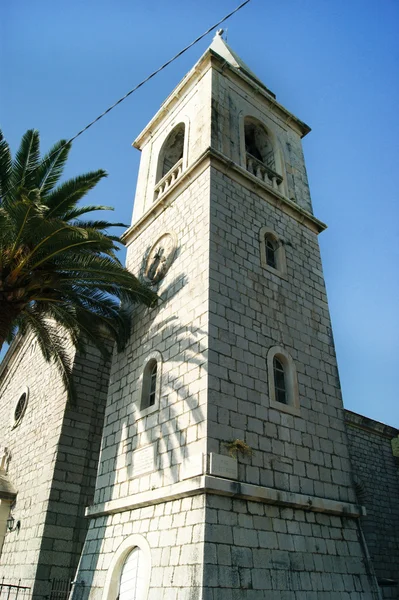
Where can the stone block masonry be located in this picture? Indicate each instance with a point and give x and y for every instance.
(252, 310)
(174, 531)
(376, 475)
(278, 535)
(177, 329)
(54, 453)
(282, 521)
(255, 551)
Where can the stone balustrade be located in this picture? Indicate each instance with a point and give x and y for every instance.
(168, 180)
(263, 172)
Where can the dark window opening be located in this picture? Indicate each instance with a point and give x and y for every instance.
(279, 381)
(153, 385)
(271, 250)
(172, 151)
(258, 143)
(250, 145)
(149, 390)
(21, 406)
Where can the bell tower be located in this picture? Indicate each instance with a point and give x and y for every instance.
(224, 471)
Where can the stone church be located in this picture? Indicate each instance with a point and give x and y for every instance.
(213, 458)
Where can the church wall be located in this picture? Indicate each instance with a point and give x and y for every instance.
(254, 551)
(177, 329)
(376, 473)
(33, 446)
(75, 469)
(175, 533)
(54, 454)
(252, 310)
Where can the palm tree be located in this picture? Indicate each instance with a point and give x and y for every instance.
(59, 275)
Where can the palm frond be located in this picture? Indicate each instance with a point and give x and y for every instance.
(97, 225)
(68, 194)
(59, 273)
(52, 343)
(26, 161)
(5, 166)
(83, 210)
(51, 167)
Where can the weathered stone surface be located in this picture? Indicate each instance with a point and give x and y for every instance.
(53, 461)
(288, 526)
(376, 474)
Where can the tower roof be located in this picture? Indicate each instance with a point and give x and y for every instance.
(220, 46)
(219, 52)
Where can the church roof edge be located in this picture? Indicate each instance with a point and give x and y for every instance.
(221, 47)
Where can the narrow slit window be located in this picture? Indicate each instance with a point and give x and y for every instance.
(279, 381)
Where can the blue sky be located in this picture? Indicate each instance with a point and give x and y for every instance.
(334, 64)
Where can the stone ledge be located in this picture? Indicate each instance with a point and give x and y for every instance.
(213, 158)
(353, 419)
(206, 484)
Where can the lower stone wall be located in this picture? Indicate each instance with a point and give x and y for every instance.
(376, 476)
(216, 547)
(255, 551)
(174, 532)
(74, 476)
(32, 447)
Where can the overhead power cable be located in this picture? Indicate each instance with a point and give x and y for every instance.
(144, 81)
(139, 85)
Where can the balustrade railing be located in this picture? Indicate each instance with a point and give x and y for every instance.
(269, 160)
(263, 172)
(168, 180)
(17, 591)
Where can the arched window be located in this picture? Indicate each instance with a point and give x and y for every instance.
(129, 573)
(258, 143)
(283, 385)
(272, 253)
(170, 160)
(149, 388)
(260, 155)
(151, 383)
(133, 578)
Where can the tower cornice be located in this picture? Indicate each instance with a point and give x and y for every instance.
(213, 158)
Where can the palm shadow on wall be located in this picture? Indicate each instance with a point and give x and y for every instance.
(176, 401)
(169, 434)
